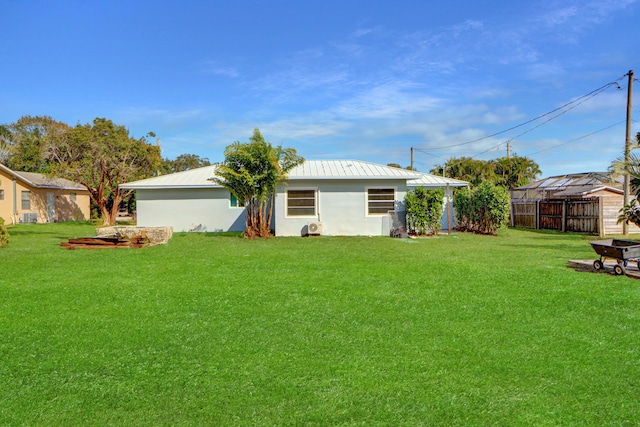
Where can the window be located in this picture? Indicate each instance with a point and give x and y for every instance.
(301, 202)
(26, 200)
(234, 202)
(72, 197)
(380, 200)
(1, 194)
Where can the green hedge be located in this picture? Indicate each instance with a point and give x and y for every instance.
(4, 234)
(424, 210)
(484, 210)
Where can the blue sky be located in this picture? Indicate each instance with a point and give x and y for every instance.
(345, 79)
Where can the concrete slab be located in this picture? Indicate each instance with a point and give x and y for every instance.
(631, 270)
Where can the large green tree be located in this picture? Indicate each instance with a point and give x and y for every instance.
(516, 171)
(183, 162)
(466, 169)
(508, 172)
(100, 156)
(24, 142)
(251, 172)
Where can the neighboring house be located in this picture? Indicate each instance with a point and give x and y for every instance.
(34, 197)
(591, 200)
(337, 197)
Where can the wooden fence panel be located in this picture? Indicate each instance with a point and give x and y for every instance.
(524, 214)
(551, 214)
(576, 215)
(583, 216)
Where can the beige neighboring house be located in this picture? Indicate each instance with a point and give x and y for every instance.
(33, 197)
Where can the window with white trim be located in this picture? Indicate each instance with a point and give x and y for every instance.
(234, 202)
(26, 200)
(301, 202)
(380, 200)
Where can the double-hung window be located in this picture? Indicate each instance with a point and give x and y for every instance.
(26, 200)
(301, 202)
(380, 200)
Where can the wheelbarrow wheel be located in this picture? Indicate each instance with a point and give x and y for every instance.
(598, 265)
(618, 269)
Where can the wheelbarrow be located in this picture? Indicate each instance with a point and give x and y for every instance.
(623, 251)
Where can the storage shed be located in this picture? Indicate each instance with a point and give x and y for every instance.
(587, 202)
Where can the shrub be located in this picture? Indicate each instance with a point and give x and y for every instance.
(424, 210)
(4, 234)
(630, 213)
(484, 210)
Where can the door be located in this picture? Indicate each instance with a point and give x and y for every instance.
(51, 207)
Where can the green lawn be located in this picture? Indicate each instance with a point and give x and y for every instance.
(218, 330)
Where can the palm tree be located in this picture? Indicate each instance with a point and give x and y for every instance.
(251, 172)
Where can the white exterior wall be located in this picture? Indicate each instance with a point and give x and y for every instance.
(186, 209)
(341, 206)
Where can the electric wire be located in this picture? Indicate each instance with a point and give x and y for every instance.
(576, 101)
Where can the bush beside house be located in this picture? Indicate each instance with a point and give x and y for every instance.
(4, 234)
(424, 209)
(484, 210)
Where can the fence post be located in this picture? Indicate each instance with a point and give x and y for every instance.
(601, 231)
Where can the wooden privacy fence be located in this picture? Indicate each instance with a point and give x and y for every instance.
(577, 215)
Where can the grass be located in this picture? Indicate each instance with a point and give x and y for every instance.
(218, 330)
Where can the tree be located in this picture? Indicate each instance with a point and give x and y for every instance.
(4, 143)
(24, 142)
(424, 210)
(251, 172)
(619, 167)
(183, 162)
(508, 172)
(100, 157)
(516, 171)
(466, 169)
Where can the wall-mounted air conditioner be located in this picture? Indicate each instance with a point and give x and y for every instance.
(314, 228)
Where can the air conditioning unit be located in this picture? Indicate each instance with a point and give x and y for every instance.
(28, 217)
(314, 228)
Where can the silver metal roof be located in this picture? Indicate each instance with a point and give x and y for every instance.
(348, 169)
(427, 180)
(194, 178)
(309, 170)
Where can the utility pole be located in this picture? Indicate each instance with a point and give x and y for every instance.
(412, 159)
(508, 149)
(627, 150)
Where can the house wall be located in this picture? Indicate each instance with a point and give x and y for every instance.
(341, 207)
(65, 209)
(189, 209)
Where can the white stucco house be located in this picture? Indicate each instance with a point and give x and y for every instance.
(334, 197)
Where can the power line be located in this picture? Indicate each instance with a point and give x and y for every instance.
(577, 139)
(585, 97)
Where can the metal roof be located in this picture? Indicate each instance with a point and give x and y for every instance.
(561, 182)
(427, 180)
(38, 180)
(309, 170)
(348, 169)
(583, 190)
(194, 178)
